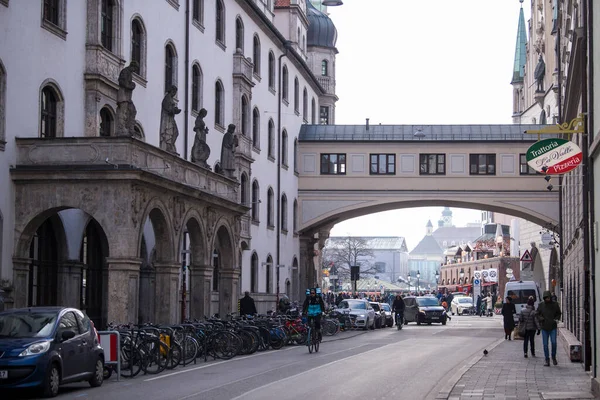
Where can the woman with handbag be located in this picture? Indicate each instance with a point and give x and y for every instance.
(528, 325)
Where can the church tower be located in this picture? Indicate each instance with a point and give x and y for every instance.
(519, 69)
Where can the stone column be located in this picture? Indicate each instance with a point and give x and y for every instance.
(123, 289)
(69, 283)
(21, 268)
(200, 290)
(307, 266)
(228, 291)
(167, 289)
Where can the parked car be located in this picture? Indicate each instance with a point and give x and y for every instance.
(361, 310)
(45, 347)
(389, 317)
(462, 305)
(423, 309)
(379, 314)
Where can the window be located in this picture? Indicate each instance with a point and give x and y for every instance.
(284, 148)
(52, 11)
(170, 67)
(432, 164)
(324, 115)
(219, 103)
(220, 22)
(239, 35)
(270, 205)
(284, 84)
(482, 164)
(253, 273)
(383, 164)
(333, 164)
(245, 115)
(271, 138)
(196, 88)
(284, 227)
(256, 128)
(139, 131)
(198, 11)
(269, 275)
(324, 66)
(524, 168)
(54, 16)
(296, 155)
(49, 113)
(106, 123)
(106, 24)
(256, 55)
(295, 216)
(255, 201)
(313, 111)
(215, 277)
(138, 45)
(244, 189)
(2, 106)
(305, 105)
(271, 70)
(296, 95)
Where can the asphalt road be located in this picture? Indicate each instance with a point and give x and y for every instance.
(381, 364)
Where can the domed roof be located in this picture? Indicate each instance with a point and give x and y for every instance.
(321, 31)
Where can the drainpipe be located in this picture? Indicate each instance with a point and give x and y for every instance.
(187, 80)
(287, 45)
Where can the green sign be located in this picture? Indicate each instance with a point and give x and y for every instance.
(554, 156)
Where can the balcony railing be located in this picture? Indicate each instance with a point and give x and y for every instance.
(242, 67)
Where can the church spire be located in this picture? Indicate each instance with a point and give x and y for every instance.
(520, 49)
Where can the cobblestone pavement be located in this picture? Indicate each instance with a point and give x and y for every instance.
(505, 374)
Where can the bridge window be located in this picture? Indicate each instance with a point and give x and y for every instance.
(524, 168)
(432, 164)
(383, 164)
(333, 164)
(482, 164)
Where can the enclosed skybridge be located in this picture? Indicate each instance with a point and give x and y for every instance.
(346, 171)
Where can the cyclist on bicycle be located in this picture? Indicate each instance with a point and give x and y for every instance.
(398, 309)
(313, 307)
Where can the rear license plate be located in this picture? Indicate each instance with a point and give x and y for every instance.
(3, 374)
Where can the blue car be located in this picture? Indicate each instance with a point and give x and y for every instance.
(45, 347)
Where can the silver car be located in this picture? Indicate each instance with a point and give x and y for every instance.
(360, 311)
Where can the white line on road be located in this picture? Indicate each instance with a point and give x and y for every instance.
(270, 370)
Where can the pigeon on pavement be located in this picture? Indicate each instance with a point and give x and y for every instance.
(485, 352)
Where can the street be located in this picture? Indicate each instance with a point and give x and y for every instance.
(381, 364)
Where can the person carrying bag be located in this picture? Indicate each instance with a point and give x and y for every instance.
(528, 325)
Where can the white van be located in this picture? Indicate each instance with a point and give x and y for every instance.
(519, 292)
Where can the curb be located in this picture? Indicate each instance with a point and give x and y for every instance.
(445, 391)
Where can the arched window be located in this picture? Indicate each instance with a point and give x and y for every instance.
(49, 113)
(269, 275)
(271, 70)
(305, 105)
(313, 111)
(271, 138)
(324, 68)
(198, 11)
(295, 216)
(220, 22)
(139, 131)
(270, 208)
(256, 128)
(284, 84)
(255, 201)
(106, 123)
(254, 273)
(196, 88)
(219, 103)
(138, 45)
(170, 67)
(2, 106)
(245, 115)
(239, 35)
(296, 155)
(296, 95)
(284, 213)
(244, 189)
(284, 147)
(256, 55)
(106, 24)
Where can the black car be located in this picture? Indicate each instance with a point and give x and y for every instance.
(424, 309)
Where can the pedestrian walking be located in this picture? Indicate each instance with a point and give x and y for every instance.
(479, 299)
(247, 306)
(548, 313)
(489, 302)
(528, 319)
(508, 310)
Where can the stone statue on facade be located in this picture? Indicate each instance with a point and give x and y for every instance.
(168, 126)
(126, 111)
(230, 142)
(200, 150)
(539, 74)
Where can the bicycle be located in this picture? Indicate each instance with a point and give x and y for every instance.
(312, 340)
(399, 320)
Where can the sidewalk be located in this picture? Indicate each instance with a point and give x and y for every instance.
(505, 374)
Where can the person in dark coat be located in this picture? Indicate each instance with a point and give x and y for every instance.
(508, 310)
(549, 313)
(247, 306)
(479, 298)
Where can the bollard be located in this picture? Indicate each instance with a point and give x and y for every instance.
(110, 341)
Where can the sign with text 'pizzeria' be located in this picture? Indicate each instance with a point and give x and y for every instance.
(558, 155)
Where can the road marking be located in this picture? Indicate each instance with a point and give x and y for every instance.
(270, 370)
(311, 370)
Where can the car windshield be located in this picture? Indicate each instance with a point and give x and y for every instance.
(386, 307)
(465, 300)
(375, 306)
(27, 324)
(427, 301)
(360, 305)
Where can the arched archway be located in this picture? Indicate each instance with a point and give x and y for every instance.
(225, 281)
(195, 273)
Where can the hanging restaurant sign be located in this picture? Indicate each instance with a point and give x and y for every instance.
(554, 156)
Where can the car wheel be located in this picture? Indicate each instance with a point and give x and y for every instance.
(366, 324)
(51, 381)
(98, 376)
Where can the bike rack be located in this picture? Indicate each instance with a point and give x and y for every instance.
(110, 341)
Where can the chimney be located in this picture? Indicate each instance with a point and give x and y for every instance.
(367, 124)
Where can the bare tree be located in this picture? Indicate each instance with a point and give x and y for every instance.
(342, 253)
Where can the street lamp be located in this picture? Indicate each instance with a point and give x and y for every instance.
(408, 276)
(418, 281)
(461, 274)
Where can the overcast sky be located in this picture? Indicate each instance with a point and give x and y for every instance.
(423, 62)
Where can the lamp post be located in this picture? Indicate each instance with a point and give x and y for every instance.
(461, 274)
(418, 282)
(437, 277)
(408, 276)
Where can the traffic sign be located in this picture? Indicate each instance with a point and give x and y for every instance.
(526, 257)
(476, 282)
(554, 156)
